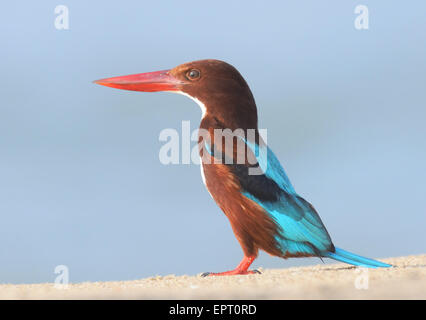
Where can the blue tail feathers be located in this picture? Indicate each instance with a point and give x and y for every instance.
(354, 259)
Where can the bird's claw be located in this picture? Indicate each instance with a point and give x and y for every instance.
(229, 273)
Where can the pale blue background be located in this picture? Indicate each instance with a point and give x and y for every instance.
(80, 179)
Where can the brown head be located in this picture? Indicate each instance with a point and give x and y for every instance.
(216, 86)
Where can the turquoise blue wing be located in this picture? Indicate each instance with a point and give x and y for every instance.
(301, 229)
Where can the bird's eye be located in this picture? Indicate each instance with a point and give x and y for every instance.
(193, 74)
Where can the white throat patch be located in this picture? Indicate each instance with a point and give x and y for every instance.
(203, 113)
(202, 106)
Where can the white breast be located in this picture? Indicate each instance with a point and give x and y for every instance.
(203, 177)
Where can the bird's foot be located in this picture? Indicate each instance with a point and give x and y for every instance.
(242, 269)
(230, 273)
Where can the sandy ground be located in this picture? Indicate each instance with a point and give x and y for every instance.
(407, 280)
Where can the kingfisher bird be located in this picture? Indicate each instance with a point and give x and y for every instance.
(248, 184)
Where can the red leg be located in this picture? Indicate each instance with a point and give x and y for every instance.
(242, 268)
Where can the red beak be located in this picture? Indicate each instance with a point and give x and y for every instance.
(147, 82)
